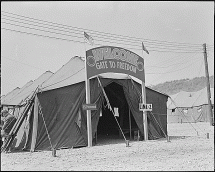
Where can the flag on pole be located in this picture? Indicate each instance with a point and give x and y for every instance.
(88, 38)
(144, 48)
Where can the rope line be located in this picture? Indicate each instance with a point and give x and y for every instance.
(40, 111)
(183, 115)
(158, 124)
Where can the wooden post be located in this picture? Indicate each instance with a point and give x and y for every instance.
(208, 86)
(144, 113)
(89, 125)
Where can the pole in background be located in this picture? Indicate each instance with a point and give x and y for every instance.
(208, 85)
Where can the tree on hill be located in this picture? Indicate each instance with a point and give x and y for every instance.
(190, 85)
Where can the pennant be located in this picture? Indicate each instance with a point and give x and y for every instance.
(144, 48)
(88, 38)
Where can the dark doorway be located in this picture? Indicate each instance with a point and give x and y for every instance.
(107, 126)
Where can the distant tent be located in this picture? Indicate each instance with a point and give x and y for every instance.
(189, 106)
(6, 103)
(8, 96)
(57, 120)
(26, 91)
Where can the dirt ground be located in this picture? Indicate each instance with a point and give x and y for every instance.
(189, 149)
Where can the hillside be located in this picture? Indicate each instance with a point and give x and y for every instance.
(173, 87)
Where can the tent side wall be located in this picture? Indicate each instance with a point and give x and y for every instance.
(59, 112)
(159, 111)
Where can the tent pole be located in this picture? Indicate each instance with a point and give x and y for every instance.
(87, 86)
(144, 113)
(89, 125)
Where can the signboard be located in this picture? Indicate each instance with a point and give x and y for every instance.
(145, 107)
(89, 107)
(114, 59)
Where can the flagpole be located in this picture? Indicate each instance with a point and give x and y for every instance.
(89, 124)
(145, 123)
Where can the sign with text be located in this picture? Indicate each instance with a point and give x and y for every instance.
(114, 59)
(89, 107)
(145, 107)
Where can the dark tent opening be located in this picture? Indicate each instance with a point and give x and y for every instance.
(107, 126)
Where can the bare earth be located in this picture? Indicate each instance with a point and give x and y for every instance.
(194, 152)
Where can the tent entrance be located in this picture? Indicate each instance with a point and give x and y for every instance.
(107, 126)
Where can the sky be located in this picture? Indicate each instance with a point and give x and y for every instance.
(40, 36)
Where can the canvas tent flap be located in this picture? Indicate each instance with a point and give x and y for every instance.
(132, 91)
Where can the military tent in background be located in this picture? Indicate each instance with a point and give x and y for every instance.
(16, 101)
(6, 103)
(57, 120)
(8, 97)
(189, 106)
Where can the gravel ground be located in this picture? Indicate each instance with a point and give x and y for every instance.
(189, 149)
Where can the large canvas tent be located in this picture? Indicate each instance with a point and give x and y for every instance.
(57, 120)
(189, 106)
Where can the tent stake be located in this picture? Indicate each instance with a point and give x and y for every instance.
(54, 152)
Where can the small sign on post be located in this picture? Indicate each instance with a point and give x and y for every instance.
(145, 107)
(89, 107)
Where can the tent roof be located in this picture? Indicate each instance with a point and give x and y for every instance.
(70, 73)
(74, 72)
(27, 89)
(190, 99)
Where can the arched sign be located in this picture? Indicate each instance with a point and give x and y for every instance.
(114, 59)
